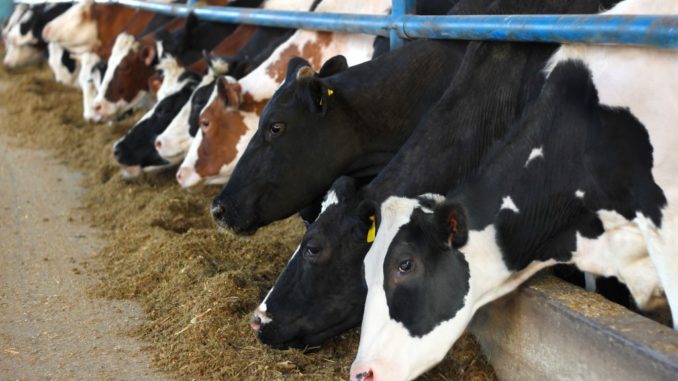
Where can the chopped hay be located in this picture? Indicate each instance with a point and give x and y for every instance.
(197, 285)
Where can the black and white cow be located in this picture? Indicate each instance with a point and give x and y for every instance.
(174, 142)
(484, 92)
(136, 151)
(65, 68)
(304, 145)
(23, 33)
(564, 187)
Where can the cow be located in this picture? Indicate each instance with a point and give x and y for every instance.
(172, 143)
(133, 60)
(65, 68)
(23, 34)
(135, 151)
(258, 86)
(574, 184)
(500, 77)
(197, 102)
(301, 151)
(86, 25)
(445, 134)
(175, 142)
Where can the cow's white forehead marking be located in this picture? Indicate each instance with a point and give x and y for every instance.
(330, 199)
(579, 194)
(535, 153)
(507, 203)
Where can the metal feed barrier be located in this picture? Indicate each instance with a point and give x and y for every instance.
(656, 31)
(548, 328)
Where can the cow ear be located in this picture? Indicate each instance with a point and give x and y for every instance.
(229, 93)
(293, 66)
(367, 220)
(155, 82)
(148, 55)
(450, 219)
(333, 66)
(344, 187)
(316, 94)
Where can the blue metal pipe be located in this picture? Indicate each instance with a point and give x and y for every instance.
(656, 31)
(400, 8)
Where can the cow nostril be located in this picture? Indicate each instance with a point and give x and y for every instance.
(158, 144)
(97, 107)
(255, 322)
(218, 212)
(365, 376)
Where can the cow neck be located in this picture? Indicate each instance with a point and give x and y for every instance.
(494, 83)
(137, 24)
(406, 97)
(109, 28)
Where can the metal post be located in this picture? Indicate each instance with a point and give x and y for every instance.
(399, 8)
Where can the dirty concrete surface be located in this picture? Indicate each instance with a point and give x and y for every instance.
(49, 327)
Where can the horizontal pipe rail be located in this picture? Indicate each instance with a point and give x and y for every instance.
(657, 31)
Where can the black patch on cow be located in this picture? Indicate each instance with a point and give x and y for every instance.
(433, 290)
(306, 304)
(198, 102)
(187, 74)
(68, 61)
(603, 152)
(137, 147)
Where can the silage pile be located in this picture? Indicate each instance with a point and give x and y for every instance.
(197, 285)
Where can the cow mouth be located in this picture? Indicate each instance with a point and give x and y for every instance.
(130, 172)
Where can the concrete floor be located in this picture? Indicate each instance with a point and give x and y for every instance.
(49, 327)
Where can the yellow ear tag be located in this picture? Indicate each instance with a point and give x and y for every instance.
(330, 92)
(373, 230)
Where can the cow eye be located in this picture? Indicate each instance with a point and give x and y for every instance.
(311, 252)
(277, 128)
(204, 124)
(405, 266)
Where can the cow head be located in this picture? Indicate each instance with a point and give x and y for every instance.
(75, 29)
(136, 150)
(175, 141)
(92, 71)
(125, 84)
(22, 46)
(225, 132)
(419, 290)
(294, 156)
(321, 292)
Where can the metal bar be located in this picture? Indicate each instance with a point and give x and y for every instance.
(400, 8)
(550, 329)
(656, 31)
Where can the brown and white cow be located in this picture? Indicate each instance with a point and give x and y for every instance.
(86, 25)
(256, 89)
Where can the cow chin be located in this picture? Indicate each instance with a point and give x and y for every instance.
(18, 56)
(274, 336)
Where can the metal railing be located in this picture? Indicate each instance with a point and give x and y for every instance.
(658, 31)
